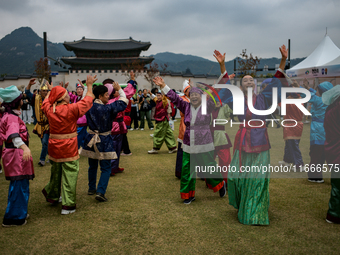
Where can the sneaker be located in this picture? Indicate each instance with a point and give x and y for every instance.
(174, 120)
(188, 201)
(283, 163)
(100, 197)
(136, 128)
(142, 129)
(317, 180)
(48, 161)
(151, 128)
(153, 151)
(151, 135)
(27, 216)
(302, 169)
(123, 154)
(172, 151)
(91, 192)
(41, 163)
(223, 190)
(294, 169)
(131, 129)
(60, 199)
(328, 221)
(65, 212)
(14, 225)
(0, 171)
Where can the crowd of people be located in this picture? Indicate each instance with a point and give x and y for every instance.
(93, 122)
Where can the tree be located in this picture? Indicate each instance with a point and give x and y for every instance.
(134, 65)
(248, 64)
(42, 69)
(153, 71)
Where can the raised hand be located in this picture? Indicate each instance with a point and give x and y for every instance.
(49, 86)
(66, 85)
(232, 76)
(61, 84)
(116, 86)
(80, 83)
(284, 51)
(159, 81)
(31, 82)
(306, 83)
(219, 57)
(91, 79)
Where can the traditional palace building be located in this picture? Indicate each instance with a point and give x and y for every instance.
(94, 54)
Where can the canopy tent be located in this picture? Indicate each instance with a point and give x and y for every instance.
(332, 68)
(318, 63)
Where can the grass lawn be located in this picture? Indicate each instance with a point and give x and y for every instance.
(145, 214)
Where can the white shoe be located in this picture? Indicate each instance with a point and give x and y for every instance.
(174, 120)
(153, 151)
(131, 129)
(142, 129)
(302, 169)
(64, 212)
(0, 171)
(283, 163)
(60, 199)
(151, 128)
(136, 128)
(151, 135)
(172, 151)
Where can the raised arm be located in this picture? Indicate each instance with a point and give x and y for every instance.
(28, 88)
(174, 98)
(221, 60)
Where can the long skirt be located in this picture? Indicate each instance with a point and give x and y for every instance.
(64, 176)
(249, 191)
(188, 177)
(17, 203)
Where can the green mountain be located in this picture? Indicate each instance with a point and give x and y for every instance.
(180, 63)
(21, 48)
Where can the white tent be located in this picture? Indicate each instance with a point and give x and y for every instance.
(332, 68)
(315, 64)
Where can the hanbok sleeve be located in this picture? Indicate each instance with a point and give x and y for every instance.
(11, 128)
(82, 106)
(130, 89)
(175, 99)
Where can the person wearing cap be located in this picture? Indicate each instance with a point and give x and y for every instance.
(179, 157)
(248, 192)
(81, 122)
(163, 132)
(16, 157)
(42, 127)
(331, 98)
(317, 131)
(99, 144)
(198, 144)
(118, 125)
(63, 145)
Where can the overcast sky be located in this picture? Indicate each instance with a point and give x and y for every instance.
(183, 26)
